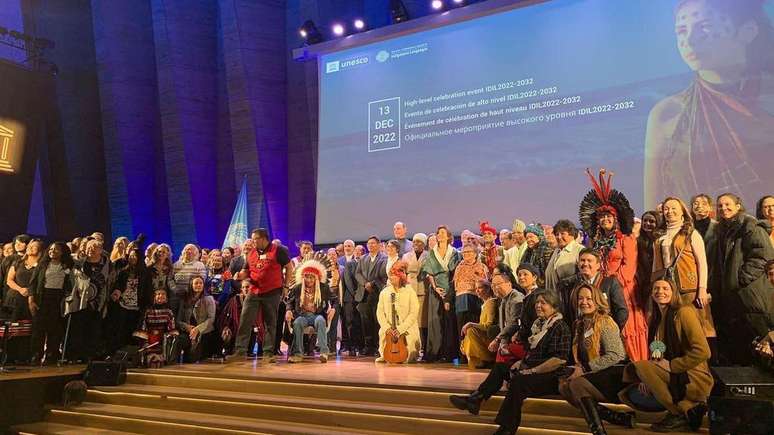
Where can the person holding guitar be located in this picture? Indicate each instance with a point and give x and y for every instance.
(398, 316)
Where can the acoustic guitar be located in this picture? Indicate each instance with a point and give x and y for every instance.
(395, 348)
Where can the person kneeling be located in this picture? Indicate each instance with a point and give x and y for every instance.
(398, 301)
(310, 303)
(158, 322)
(597, 349)
(677, 376)
(196, 319)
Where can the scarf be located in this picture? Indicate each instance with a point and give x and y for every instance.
(540, 327)
(443, 261)
(668, 240)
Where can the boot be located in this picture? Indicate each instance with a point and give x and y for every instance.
(502, 430)
(589, 408)
(695, 416)
(470, 403)
(625, 419)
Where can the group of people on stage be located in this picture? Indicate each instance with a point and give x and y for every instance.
(622, 310)
(636, 313)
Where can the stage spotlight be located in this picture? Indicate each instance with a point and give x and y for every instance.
(398, 11)
(338, 29)
(359, 24)
(309, 32)
(458, 2)
(436, 5)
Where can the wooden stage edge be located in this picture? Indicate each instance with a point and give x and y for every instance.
(361, 372)
(24, 392)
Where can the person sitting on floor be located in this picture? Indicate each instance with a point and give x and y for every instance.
(509, 313)
(598, 351)
(310, 303)
(398, 295)
(537, 374)
(157, 322)
(676, 377)
(478, 335)
(196, 319)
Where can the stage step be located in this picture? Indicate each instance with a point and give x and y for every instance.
(142, 420)
(49, 428)
(356, 415)
(405, 396)
(151, 402)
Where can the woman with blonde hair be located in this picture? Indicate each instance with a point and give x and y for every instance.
(679, 255)
(119, 250)
(597, 350)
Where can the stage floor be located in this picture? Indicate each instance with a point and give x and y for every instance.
(357, 371)
(25, 372)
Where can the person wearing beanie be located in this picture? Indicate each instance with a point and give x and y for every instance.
(537, 253)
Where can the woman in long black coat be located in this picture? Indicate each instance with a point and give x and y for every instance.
(746, 305)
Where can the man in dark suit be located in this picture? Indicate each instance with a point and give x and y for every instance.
(351, 331)
(371, 277)
(349, 252)
(589, 271)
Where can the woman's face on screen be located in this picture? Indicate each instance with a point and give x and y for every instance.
(709, 40)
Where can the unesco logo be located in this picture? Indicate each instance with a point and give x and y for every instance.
(6, 135)
(332, 67)
(382, 56)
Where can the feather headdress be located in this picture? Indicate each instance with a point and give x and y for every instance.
(603, 199)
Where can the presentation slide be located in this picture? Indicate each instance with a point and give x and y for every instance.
(498, 117)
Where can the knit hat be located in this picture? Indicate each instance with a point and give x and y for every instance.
(422, 237)
(535, 229)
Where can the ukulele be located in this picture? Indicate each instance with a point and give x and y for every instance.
(395, 348)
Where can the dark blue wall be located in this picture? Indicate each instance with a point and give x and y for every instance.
(166, 104)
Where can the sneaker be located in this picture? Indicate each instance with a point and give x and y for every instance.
(296, 359)
(671, 423)
(380, 359)
(269, 358)
(323, 357)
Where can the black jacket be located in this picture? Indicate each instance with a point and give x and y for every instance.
(743, 248)
(39, 283)
(349, 281)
